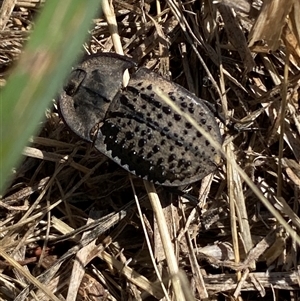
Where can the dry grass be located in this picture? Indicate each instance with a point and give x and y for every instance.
(69, 222)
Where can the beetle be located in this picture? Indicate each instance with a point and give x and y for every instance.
(133, 126)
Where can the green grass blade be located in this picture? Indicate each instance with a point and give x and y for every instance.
(54, 44)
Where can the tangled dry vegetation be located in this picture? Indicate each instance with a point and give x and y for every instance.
(68, 200)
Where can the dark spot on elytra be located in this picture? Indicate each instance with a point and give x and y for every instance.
(160, 161)
(165, 130)
(156, 148)
(167, 110)
(181, 162)
(142, 142)
(157, 104)
(184, 104)
(188, 125)
(129, 135)
(124, 100)
(150, 154)
(191, 110)
(177, 117)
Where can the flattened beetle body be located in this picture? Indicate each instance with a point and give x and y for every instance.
(134, 127)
